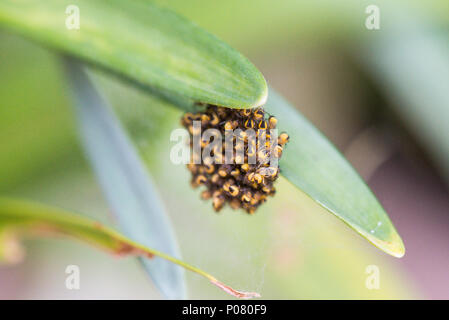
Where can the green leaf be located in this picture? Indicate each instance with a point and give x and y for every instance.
(128, 188)
(20, 218)
(144, 43)
(311, 163)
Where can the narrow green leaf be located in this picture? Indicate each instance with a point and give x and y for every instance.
(311, 163)
(146, 44)
(22, 218)
(126, 183)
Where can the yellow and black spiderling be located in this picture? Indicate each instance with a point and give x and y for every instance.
(241, 184)
(283, 138)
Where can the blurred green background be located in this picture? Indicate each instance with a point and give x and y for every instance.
(381, 96)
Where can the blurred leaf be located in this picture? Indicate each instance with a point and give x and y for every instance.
(410, 63)
(146, 44)
(19, 218)
(311, 163)
(126, 183)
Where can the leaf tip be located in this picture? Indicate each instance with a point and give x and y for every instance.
(394, 246)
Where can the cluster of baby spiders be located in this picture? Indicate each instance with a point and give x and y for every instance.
(240, 182)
